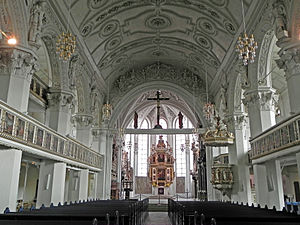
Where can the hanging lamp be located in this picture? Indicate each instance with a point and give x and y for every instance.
(66, 43)
(246, 45)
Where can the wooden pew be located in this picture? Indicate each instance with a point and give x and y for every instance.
(113, 212)
(188, 212)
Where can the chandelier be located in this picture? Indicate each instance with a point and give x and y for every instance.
(66, 42)
(219, 136)
(106, 111)
(65, 45)
(246, 46)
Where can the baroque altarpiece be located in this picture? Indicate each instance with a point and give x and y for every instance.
(161, 167)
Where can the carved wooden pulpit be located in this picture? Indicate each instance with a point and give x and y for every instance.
(161, 165)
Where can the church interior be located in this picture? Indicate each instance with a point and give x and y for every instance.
(150, 112)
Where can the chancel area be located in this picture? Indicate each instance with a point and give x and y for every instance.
(150, 112)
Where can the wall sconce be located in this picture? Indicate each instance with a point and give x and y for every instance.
(11, 40)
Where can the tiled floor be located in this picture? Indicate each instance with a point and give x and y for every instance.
(158, 218)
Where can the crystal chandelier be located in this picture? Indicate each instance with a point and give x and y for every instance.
(66, 42)
(106, 111)
(246, 46)
(65, 45)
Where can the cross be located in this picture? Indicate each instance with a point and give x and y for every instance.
(158, 99)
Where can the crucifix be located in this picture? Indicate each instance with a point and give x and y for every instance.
(158, 99)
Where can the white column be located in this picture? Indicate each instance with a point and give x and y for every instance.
(15, 77)
(298, 163)
(261, 186)
(135, 160)
(105, 175)
(58, 183)
(99, 184)
(238, 155)
(10, 164)
(83, 184)
(83, 124)
(279, 198)
(119, 174)
(260, 109)
(58, 114)
(96, 139)
(45, 183)
(209, 163)
(289, 61)
(187, 169)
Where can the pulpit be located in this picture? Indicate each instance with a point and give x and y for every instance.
(161, 167)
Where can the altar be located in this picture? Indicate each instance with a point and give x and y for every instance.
(161, 168)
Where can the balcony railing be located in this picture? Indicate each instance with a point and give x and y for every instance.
(38, 88)
(277, 138)
(23, 129)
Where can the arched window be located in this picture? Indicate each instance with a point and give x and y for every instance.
(143, 146)
(182, 143)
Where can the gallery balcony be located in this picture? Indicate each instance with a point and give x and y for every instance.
(20, 131)
(281, 139)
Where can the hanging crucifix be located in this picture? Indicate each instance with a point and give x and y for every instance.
(158, 99)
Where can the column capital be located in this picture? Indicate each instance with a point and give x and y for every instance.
(82, 120)
(236, 120)
(60, 97)
(290, 61)
(18, 62)
(265, 96)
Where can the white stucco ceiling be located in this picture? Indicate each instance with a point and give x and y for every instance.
(119, 35)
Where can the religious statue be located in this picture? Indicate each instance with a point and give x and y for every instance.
(35, 22)
(135, 125)
(180, 117)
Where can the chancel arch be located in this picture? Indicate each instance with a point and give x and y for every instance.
(154, 85)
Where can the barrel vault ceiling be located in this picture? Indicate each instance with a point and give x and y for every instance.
(118, 35)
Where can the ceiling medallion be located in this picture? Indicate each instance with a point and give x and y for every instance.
(229, 27)
(158, 22)
(219, 136)
(86, 30)
(207, 26)
(203, 42)
(109, 28)
(113, 43)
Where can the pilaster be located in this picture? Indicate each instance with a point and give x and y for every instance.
(59, 111)
(238, 156)
(16, 69)
(10, 163)
(261, 110)
(83, 124)
(290, 62)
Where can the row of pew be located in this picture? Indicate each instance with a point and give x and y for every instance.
(226, 213)
(99, 212)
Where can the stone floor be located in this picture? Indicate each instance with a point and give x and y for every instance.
(158, 218)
